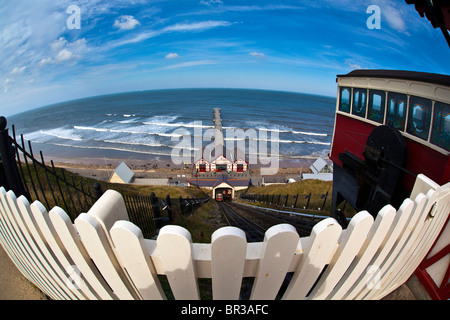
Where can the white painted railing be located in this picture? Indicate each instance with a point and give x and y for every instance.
(104, 256)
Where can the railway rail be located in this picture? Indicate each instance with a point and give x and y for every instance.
(254, 222)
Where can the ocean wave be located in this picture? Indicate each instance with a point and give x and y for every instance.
(295, 132)
(60, 133)
(134, 118)
(151, 145)
(261, 156)
(136, 125)
(280, 141)
(150, 152)
(122, 115)
(72, 134)
(178, 124)
(91, 128)
(281, 131)
(310, 133)
(162, 134)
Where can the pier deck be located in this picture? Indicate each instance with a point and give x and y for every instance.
(218, 131)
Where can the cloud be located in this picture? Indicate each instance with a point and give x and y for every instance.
(246, 8)
(353, 65)
(64, 55)
(18, 70)
(5, 84)
(392, 14)
(186, 65)
(45, 61)
(257, 54)
(140, 37)
(58, 44)
(393, 18)
(172, 56)
(196, 26)
(179, 27)
(126, 22)
(65, 51)
(211, 2)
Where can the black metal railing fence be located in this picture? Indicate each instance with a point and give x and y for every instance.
(152, 213)
(309, 201)
(23, 173)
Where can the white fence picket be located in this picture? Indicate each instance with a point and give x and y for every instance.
(45, 246)
(321, 246)
(107, 210)
(36, 269)
(370, 280)
(11, 246)
(228, 252)
(99, 249)
(400, 266)
(391, 262)
(423, 184)
(135, 258)
(53, 267)
(49, 235)
(72, 243)
(93, 228)
(176, 252)
(350, 243)
(376, 236)
(280, 243)
(435, 220)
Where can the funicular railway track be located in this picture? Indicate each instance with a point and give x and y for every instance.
(254, 222)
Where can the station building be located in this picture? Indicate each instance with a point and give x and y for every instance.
(221, 175)
(220, 184)
(222, 163)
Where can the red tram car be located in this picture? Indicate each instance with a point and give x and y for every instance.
(389, 126)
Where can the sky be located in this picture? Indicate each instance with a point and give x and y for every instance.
(56, 50)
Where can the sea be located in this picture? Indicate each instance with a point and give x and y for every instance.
(156, 124)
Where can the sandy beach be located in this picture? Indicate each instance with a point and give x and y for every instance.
(102, 168)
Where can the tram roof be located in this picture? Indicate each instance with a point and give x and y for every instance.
(435, 78)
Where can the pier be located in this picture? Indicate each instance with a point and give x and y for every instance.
(218, 131)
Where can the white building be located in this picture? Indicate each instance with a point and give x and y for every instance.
(122, 174)
(322, 170)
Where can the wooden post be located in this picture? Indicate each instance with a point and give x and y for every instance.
(324, 197)
(10, 174)
(295, 203)
(156, 210)
(169, 208)
(98, 192)
(181, 205)
(309, 198)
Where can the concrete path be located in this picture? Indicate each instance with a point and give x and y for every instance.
(13, 285)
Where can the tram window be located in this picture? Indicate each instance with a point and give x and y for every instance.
(344, 103)
(396, 110)
(359, 102)
(419, 117)
(440, 133)
(377, 100)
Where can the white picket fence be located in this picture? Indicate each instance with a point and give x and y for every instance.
(104, 256)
